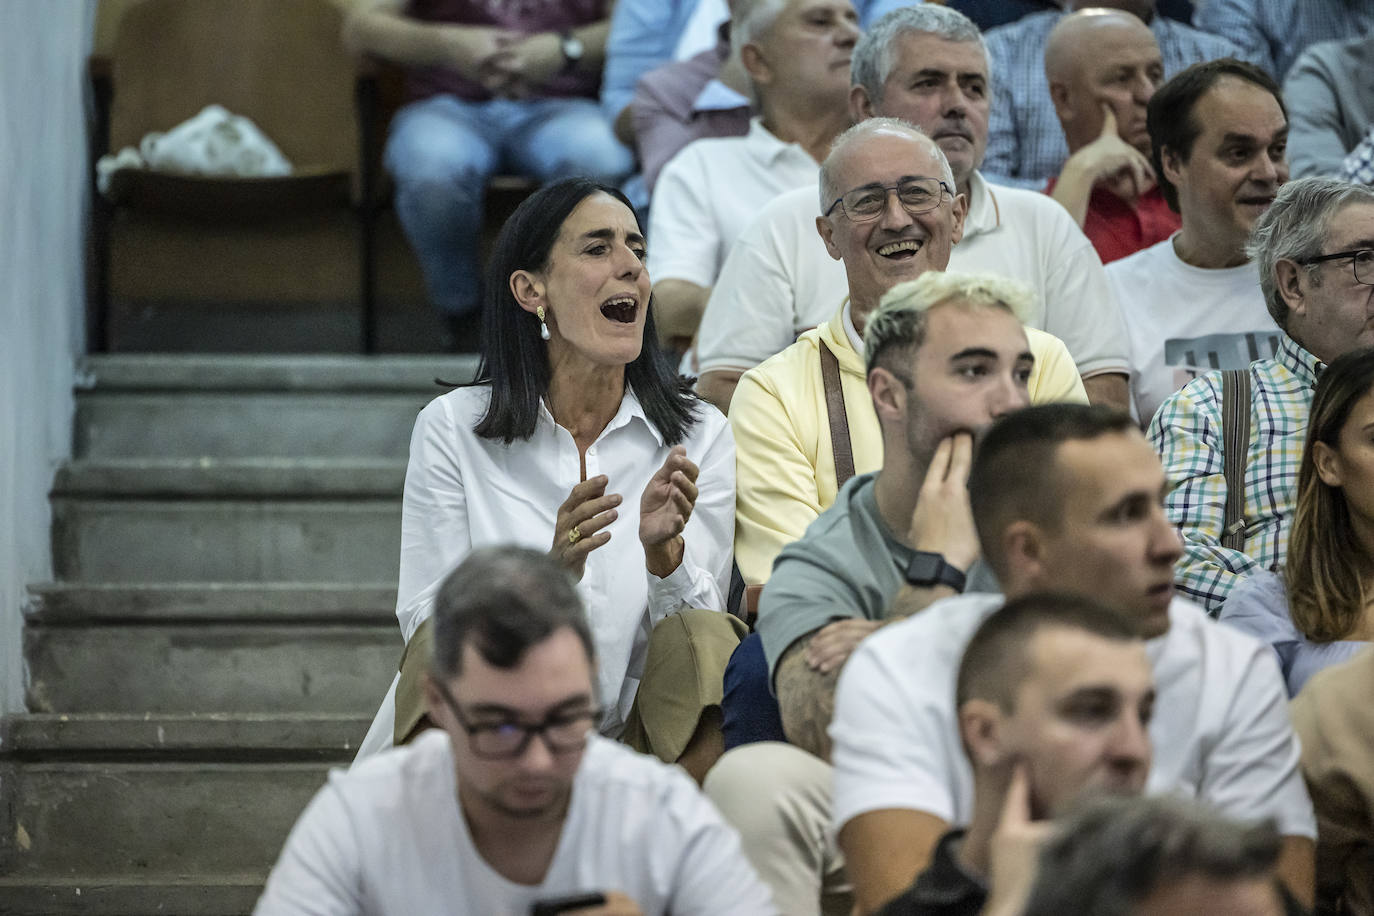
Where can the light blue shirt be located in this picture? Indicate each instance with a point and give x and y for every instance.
(1274, 32)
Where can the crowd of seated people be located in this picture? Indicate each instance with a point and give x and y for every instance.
(909, 604)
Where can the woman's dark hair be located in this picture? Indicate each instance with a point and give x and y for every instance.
(1326, 571)
(515, 360)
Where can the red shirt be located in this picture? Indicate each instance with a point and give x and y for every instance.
(1117, 228)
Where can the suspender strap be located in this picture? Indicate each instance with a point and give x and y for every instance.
(1235, 435)
(839, 420)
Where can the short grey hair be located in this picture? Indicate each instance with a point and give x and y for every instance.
(899, 322)
(876, 53)
(1295, 228)
(864, 129)
(753, 19)
(1113, 853)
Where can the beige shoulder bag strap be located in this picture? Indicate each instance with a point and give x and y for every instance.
(840, 445)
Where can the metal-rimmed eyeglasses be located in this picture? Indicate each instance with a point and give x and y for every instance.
(561, 732)
(916, 195)
(1361, 261)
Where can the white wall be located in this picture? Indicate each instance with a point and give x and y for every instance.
(43, 199)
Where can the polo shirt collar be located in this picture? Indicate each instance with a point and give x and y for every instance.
(983, 213)
(1295, 358)
(763, 145)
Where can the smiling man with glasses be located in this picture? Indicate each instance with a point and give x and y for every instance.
(1312, 249)
(514, 801)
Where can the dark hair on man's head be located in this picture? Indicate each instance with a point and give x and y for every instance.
(1169, 115)
(515, 359)
(503, 601)
(1325, 569)
(1113, 852)
(1014, 474)
(996, 659)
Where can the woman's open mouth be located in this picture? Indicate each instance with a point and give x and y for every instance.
(621, 308)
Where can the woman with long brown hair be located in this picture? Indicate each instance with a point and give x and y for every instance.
(1320, 610)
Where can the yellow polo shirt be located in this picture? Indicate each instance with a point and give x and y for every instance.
(785, 467)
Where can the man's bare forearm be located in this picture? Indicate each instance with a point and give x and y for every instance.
(806, 699)
(678, 307)
(1110, 389)
(718, 386)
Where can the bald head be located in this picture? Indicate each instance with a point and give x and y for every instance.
(882, 131)
(1098, 59)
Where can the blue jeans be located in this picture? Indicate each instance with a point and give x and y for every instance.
(749, 709)
(441, 152)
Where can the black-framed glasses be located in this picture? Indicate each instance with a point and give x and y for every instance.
(1361, 261)
(561, 732)
(916, 195)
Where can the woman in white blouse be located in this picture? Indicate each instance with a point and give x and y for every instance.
(578, 437)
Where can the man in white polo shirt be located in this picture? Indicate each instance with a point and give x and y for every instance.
(924, 64)
(1192, 303)
(513, 800)
(1068, 497)
(797, 55)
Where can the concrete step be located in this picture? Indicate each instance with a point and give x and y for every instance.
(211, 667)
(232, 478)
(56, 604)
(168, 405)
(141, 802)
(119, 895)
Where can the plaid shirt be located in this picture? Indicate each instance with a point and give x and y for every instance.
(1026, 145)
(1274, 32)
(1359, 165)
(1187, 434)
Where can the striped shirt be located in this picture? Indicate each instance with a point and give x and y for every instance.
(1274, 32)
(1187, 434)
(1026, 145)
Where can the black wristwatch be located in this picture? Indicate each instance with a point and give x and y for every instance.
(573, 49)
(927, 569)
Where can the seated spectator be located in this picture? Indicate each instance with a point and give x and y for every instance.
(1317, 613)
(1275, 32)
(1192, 302)
(1159, 855)
(945, 355)
(646, 34)
(579, 438)
(510, 86)
(795, 450)
(1064, 497)
(797, 55)
(1054, 697)
(545, 809)
(1332, 100)
(926, 65)
(1102, 68)
(1026, 146)
(1335, 721)
(1304, 247)
(706, 95)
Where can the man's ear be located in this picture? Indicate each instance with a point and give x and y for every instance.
(826, 230)
(1173, 163)
(960, 209)
(889, 396)
(1327, 464)
(1288, 280)
(434, 703)
(980, 727)
(1023, 547)
(1059, 95)
(860, 105)
(755, 64)
(528, 290)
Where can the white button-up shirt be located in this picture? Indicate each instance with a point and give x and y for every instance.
(463, 491)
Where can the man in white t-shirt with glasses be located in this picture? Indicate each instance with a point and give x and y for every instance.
(513, 805)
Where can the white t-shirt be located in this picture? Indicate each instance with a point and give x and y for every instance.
(780, 281)
(388, 837)
(1220, 731)
(710, 191)
(463, 492)
(1184, 320)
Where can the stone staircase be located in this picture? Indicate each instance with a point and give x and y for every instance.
(220, 630)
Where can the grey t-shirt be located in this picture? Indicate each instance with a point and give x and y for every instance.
(847, 564)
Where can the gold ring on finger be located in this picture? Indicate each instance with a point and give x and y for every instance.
(574, 535)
